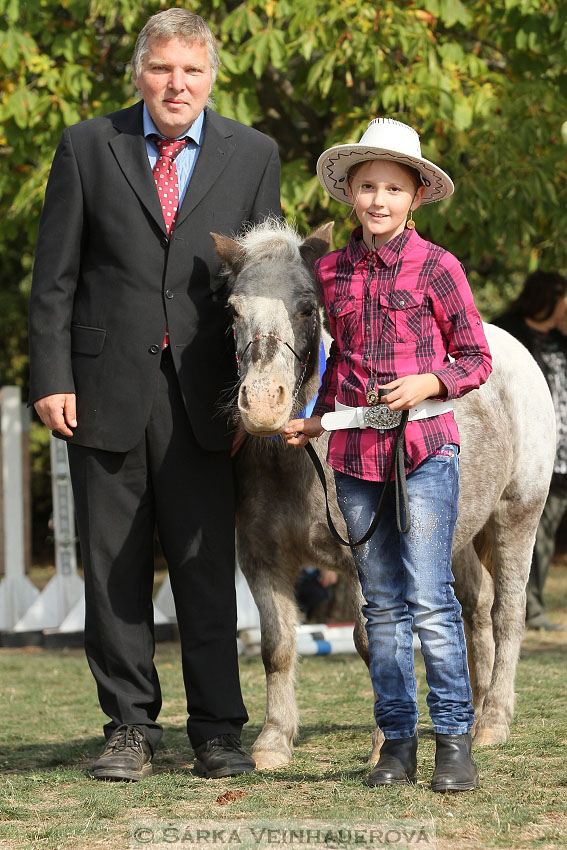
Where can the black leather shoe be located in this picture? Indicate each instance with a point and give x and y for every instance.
(455, 768)
(397, 763)
(127, 755)
(222, 756)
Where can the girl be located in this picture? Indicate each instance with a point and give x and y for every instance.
(406, 336)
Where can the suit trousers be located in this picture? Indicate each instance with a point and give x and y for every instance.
(167, 481)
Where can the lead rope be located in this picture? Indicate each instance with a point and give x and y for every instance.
(401, 491)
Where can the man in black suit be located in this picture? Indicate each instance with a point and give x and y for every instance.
(129, 357)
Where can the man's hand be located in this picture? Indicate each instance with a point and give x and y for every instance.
(58, 412)
(404, 393)
(298, 431)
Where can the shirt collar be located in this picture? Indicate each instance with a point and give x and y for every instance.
(388, 253)
(195, 131)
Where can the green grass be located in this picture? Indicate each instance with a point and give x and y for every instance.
(51, 730)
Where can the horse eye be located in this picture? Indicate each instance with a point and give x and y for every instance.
(306, 311)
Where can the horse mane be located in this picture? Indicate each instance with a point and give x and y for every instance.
(272, 239)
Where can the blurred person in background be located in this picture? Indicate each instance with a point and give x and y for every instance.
(538, 319)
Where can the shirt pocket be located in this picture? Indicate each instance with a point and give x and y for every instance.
(404, 308)
(346, 314)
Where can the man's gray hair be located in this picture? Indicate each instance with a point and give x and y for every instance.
(175, 23)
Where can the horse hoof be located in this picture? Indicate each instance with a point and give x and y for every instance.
(489, 736)
(266, 760)
(374, 756)
(377, 741)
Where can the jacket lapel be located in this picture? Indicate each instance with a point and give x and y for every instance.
(215, 154)
(129, 148)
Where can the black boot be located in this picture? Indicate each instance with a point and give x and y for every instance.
(397, 764)
(455, 768)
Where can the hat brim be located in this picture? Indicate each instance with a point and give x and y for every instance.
(334, 163)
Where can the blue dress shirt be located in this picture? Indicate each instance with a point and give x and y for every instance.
(184, 161)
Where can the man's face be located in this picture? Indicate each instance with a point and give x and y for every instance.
(175, 83)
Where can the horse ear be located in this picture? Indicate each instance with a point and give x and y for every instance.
(316, 245)
(229, 251)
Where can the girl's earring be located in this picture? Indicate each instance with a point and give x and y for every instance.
(410, 223)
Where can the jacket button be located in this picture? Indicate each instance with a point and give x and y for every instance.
(164, 242)
(154, 349)
(169, 293)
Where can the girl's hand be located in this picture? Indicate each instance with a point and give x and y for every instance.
(299, 431)
(408, 391)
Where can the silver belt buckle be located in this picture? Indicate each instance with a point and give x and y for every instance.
(381, 416)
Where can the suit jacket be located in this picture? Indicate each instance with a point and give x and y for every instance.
(107, 278)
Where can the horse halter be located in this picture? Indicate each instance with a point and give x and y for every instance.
(304, 363)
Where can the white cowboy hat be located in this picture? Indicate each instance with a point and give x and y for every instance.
(383, 139)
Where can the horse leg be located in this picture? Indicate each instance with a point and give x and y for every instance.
(475, 592)
(512, 531)
(361, 644)
(273, 592)
(327, 554)
(338, 556)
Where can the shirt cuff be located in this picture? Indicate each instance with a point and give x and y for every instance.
(323, 407)
(447, 378)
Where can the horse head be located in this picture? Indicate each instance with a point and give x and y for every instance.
(276, 320)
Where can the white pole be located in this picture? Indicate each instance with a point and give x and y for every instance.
(64, 591)
(17, 592)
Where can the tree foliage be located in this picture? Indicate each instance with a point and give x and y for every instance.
(484, 82)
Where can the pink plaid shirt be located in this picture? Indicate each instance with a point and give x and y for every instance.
(432, 317)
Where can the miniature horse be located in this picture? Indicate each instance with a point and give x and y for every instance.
(506, 464)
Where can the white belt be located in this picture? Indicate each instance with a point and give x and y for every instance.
(380, 416)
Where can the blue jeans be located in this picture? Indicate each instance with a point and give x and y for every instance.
(407, 580)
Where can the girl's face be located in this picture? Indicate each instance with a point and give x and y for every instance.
(382, 194)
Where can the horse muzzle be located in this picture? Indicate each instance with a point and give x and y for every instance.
(265, 405)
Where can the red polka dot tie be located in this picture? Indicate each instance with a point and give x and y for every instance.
(165, 176)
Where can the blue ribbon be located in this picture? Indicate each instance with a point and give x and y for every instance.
(308, 409)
